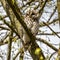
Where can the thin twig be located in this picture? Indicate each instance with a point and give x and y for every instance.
(49, 33)
(48, 44)
(19, 52)
(5, 28)
(51, 30)
(52, 14)
(51, 55)
(42, 25)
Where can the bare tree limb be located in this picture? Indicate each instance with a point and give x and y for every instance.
(9, 46)
(48, 44)
(51, 29)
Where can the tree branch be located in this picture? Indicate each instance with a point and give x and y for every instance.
(48, 44)
(9, 46)
(51, 30)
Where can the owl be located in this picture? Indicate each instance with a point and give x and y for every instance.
(31, 21)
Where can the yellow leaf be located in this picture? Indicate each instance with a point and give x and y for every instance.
(37, 51)
(41, 57)
(13, 1)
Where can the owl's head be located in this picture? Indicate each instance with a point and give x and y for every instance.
(33, 14)
(28, 13)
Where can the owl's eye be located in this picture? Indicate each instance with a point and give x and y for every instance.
(33, 14)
